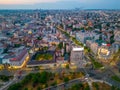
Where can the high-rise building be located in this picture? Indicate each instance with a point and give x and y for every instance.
(77, 56)
(37, 15)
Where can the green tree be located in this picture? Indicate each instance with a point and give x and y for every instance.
(4, 78)
(60, 45)
(96, 86)
(67, 66)
(87, 88)
(112, 39)
(54, 83)
(66, 79)
(16, 86)
(39, 88)
(39, 38)
(35, 79)
(108, 24)
(113, 88)
(77, 87)
(27, 78)
(26, 89)
(44, 77)
(100, 38)
(17, 45)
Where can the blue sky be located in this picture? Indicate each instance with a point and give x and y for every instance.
(59, 4)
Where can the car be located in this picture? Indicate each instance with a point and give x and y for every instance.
(19, 77)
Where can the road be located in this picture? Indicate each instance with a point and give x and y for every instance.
(14, 80)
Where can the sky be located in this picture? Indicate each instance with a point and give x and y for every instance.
(59, 4)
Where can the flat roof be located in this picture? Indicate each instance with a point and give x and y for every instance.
(77, 49)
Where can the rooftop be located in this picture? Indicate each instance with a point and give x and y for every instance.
(77, 48)
(19, 56)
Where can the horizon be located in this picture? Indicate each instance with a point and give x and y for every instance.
(60, 9)
(59, 4)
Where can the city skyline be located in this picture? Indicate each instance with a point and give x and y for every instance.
(59, 44)
(59, 4)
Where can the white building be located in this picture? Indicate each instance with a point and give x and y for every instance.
(77, 56)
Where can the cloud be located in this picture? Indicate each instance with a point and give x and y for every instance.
(59, 4)
(26, 1)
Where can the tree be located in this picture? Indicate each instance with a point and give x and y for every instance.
(112, 39)
(16, 86)
(65, 49)
(61, 25)
(77, 86)
(17, 45)
(66, 79)
(108, 24)
(35, 79)
(87, 88)
(96, 86)
(44, 77)
(39, 38)
(27, 78)
(4, 78)
(54, 83)
(100, 38)
(39, 88)
(113, 88)
(26, 89)
(67, 66)
(60, 45)
(5, 50)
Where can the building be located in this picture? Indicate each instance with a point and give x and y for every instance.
(94, 47)
(83, 36)
(20, 59)
(116, 44)
(117, 35)
(37, 15)
(88, 43)
(77, 56)
(6, 59)
(105, 51)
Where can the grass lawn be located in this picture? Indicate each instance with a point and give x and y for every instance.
(44, 56)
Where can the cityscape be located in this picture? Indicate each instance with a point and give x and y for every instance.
(59, 47)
